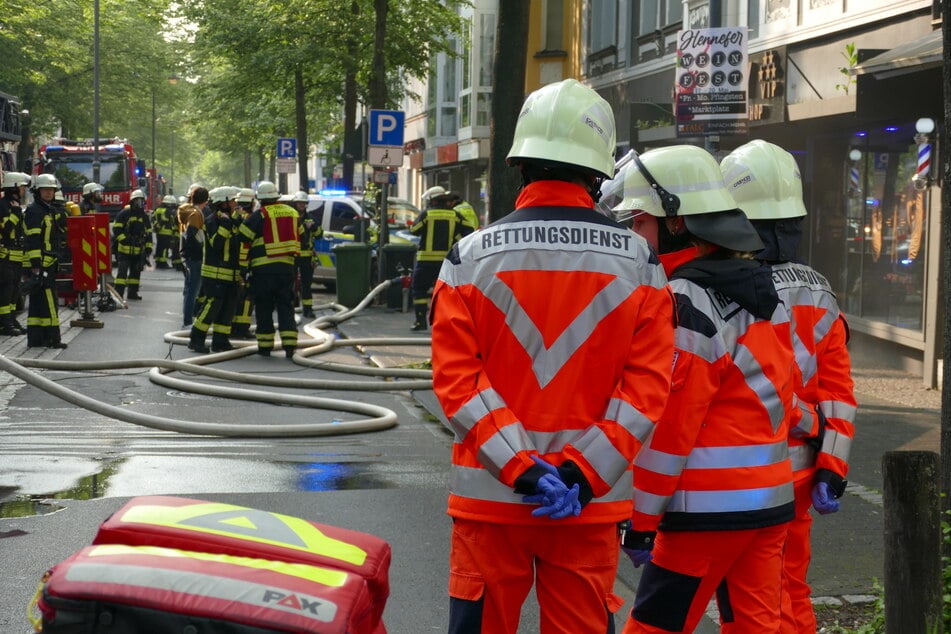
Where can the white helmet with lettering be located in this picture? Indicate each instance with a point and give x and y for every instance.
(45, 181)
(90, 189)
(765, 181)
(15, 179)
(267, 191)
(566, 122)
(685, 180)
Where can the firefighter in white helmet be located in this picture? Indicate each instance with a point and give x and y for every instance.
(41, 238)
(273, 232)
(241, 326)
(552, 340)
(309, 230)
(766, 183)
(11, 249)
(132, 232)
(91, 197)
(701, 519)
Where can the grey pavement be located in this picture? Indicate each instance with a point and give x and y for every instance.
(895, 412)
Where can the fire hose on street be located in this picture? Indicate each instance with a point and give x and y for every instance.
(318, 341)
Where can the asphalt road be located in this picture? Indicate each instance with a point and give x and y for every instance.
(64, 469)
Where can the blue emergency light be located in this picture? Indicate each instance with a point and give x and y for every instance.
(333, 192)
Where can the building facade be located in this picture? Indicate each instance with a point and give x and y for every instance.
(854, 91)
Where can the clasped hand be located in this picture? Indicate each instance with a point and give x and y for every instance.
(556, 499)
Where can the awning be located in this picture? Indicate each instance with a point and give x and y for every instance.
(920, 54)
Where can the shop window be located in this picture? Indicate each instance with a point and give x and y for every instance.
(882, 231)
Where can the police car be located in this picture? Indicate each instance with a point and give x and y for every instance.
(344, 214)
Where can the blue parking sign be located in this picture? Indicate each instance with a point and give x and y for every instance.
(386, 127)
(286, 148)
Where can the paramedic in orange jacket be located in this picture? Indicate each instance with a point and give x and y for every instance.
(765, 181)
(713, 489)
(552, 341)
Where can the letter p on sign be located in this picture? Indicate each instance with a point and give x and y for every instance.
(386, 127)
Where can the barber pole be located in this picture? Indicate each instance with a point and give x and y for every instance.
(924, 165)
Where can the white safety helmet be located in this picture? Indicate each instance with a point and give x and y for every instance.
(137, 194)
(222, 194)
(764, 180)
(685, 180)
(45, 181)
(245, 195)
(566, 122)
(299, 197)
(432, 192)
(267, 191)
(15, 179)
(192, 188)
(91, 188)
(168, 199)
(58, 196)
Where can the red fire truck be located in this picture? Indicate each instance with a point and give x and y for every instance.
(71, 161)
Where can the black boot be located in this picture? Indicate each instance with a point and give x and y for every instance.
(35, 337)
(220, 343)
(420, 324)
(120, 290)
(53, 340)
(134, 292)
(196, 341)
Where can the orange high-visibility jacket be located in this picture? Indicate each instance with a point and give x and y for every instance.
(718, 459)
(552, 335)
(822, 371)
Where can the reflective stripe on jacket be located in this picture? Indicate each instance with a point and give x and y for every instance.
(272, 231)
(40, 235)
(823, 370)
(132, 230)
(552, 334)
(718, 458)
(221, 252)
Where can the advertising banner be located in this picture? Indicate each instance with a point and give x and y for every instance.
(711, 82)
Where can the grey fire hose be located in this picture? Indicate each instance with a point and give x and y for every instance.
(318, 341)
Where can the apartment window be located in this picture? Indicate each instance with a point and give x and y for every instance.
(484, 106)
(465, 110)
(656, 15)
(486, 48)
(554, 21)
(603, 24)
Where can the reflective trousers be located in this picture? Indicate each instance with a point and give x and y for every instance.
(798, 615)
(743, 568)
(493, 568)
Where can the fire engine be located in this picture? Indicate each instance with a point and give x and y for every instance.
(71, 161)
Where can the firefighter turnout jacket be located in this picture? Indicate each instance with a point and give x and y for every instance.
(222, 249)
(438, 230)
(273, 232)
(719, 459)
(133, 232)
(552, 335)
(42, 236)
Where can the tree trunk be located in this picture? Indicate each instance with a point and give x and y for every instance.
(508, 70)
(350, 101)
(300, 104)
(944, 182)
(378, 96)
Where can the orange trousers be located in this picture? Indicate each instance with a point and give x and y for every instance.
(493, 568)
(799, 617)
(690, 566)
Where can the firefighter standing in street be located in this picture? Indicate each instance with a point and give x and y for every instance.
(241, 326)
(713, 487)
(165, 225)
(766, 183)
(91, 197)
(552, 345)
(219, 273)
(132, 231)
(465, 209)
(11, 249)
(274, 235)
(308, 229)
(438, 228)
(191, 226)
(41, 237)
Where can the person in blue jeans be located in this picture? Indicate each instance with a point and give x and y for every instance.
(191, 222)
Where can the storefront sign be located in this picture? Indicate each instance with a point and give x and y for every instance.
(711, 82)
(767, 85)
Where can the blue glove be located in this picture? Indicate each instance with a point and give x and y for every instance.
(823, 500)
(638, 557)
(556, 499)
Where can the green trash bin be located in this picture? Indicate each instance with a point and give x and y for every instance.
(352, 260)
(397, 256)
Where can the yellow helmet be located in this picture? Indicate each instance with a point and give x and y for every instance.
(765, 181)
(566, 122)
(685, 180)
